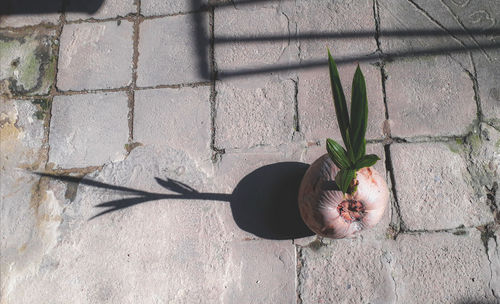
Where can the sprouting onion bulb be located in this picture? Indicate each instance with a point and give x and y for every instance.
(341, 193)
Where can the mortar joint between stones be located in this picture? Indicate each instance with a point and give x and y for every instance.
(298, 268)
(217, 152)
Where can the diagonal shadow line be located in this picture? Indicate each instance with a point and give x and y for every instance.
(357, 34)
(91, 183)
(233, 3)
(204, 43)
(375, 57)
(201, 40)
(142, 196)
(121, 204)
(175, 186)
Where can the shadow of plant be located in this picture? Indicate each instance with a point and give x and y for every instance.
(263, 203)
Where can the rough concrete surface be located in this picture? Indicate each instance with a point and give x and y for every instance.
(254, 112)
(172, 50)
(88, 130)
(437, 194)
(95, 56)
(355, 271)
(489, 89)
(106, 9)
(158, 7)
(234, 22)
(179, 118)
(151, 151)
(437, 101)
(444, 267)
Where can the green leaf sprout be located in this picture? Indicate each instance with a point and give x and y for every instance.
(353, 130)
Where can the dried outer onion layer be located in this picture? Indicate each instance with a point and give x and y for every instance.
(329, 213)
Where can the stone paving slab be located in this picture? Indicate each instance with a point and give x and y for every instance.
(178, 118)
(410, 28)
(29, 20)
(254, 112)
(88, 130)
(489, 89)
(22, 127)
(109, 66)
(347, 271)
(444, 267)
(247, 21)
(108, 9)
(169, 50)
(200, 261)
(21, 143)
(403, 271)
(494, 259)
(470, 15)
(158, 7)
(82, 244)
(448, 25)
(264, 272)
(351, 20)
(437, 194)
(12, 13)
(438, 100)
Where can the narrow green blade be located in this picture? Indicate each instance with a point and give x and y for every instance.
(362, 150)
(344, 179)
(337, 154)
(350, 153)
(359, 113)
(338, 99)
(367, 161)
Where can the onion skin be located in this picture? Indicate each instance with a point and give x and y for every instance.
(319, 201)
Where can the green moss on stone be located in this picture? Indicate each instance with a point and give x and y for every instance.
(43, 107)
(28, 63)
(456, 146)
(316, 245)
(50, 73)
(39, 115)
(474, 141)
(42, 103)
(29, 71)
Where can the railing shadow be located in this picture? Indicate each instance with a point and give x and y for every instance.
(34, 7)
(204, 43)
(467, 40)
(263, 203)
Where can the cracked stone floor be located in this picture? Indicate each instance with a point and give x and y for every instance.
(151, 150)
